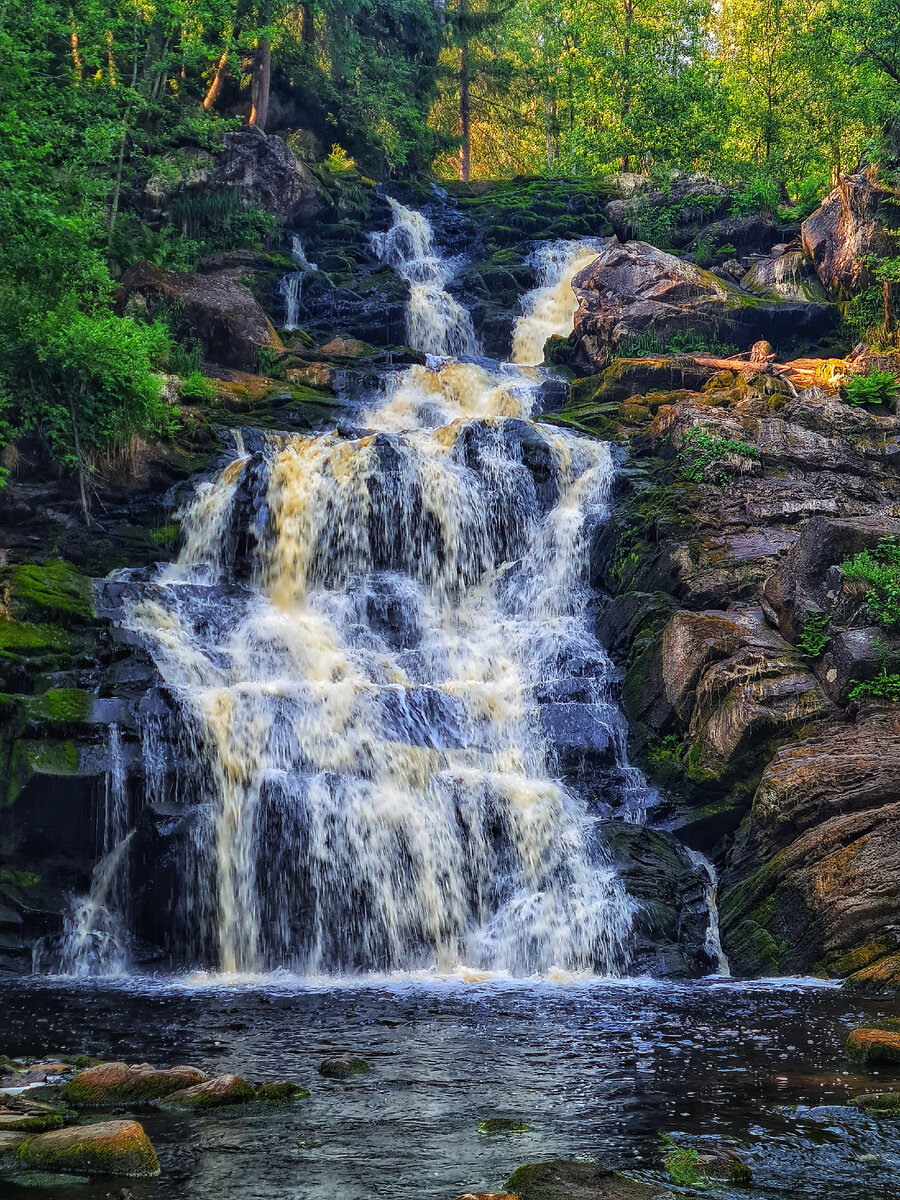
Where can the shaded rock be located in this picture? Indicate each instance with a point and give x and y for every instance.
(9, 1143)
(221, 313)
(564, 1180)
(850, 225)
(264, 171)
(281, 1091)
(634, 290)
(691, 200)
(107, 1148)
(753, 234)
(869, 1046)
(118, 1083)
(343, 1066)
(220, 1092)
(790, 276)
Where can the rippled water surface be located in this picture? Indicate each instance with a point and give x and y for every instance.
(596, 1069)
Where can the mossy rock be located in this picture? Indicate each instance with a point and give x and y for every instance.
(495, 1125)
(222, 1092)
(107, 1148)
(873, 1046)
(343, 1066)
(883, 975)
(281, 1091)
(29, 1122)
(53, 590)
(566, 1180)
(112, 1083)
(885, 1103)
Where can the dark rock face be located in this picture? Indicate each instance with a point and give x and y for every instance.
(263, 170)
(692, 200)
(849, 226)
(633, 291)
(223, 314)
(789, 275)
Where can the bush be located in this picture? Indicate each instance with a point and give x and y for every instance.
(703, 449)
(196, 387)
(884, 686)
(759, 195)
(879, 569)
(876, 387)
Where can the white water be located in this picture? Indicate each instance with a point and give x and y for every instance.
(291, 285)
(436, 322)
(549, 310)
(713, 941)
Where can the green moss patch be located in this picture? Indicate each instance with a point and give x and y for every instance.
(495, 1125)
(50, 590)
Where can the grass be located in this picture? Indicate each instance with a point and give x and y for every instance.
(879, 570)
(703, 449)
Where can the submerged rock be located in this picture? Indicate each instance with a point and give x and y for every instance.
(566, 1180)
(220, 1092)
(867, 1046)
(281, 1091)
(887, 1103)
(118, 1083)
(343, 1066)
(495, 1125)
(107, 1148)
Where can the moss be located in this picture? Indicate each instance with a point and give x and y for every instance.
(29, 757)
(112, 1148)
(20, 640)
(496, 1125)
(58, 706)
(165, 535)
(854, 960)
(281, 1092)
(54, 589)
(87, 1090)
(887, 1103)
(34, 1123)
(206, 1096)
(865, 1046)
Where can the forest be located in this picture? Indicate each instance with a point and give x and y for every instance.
(100, 99)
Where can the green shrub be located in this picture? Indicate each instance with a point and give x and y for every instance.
(885, 686)
(759, 195)
(702, 449)
(865, 314)
(876, 387)
(684, 341)
(879, 569)
(196, 387)
(814, 637)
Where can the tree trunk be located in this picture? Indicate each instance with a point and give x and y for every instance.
(262, 70)
(218, 75)
(308, 27)
(117, 187)
(77, 60)
(78, 458)
(465, 99)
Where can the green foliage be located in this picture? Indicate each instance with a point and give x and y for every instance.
(703, 449)
(651, 345)
(759, 195)
(337, 161)
(682, 1163)
(865, 314)
(814, 636)
(876, 387)
(879, 569)
(885, 686)
(197, 388)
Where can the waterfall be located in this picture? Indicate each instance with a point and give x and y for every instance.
(291, 284)
(436, 323)
(550, 309)
(94, 933)
(713, 942)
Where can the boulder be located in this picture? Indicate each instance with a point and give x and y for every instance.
(264, 171)
(850, 225)
(280, 1091)
(497, 1125)
(222, 314)
(873, 1046)
(790, 276)
(634, 291)
(566, 1180)
(108, 1148)
(343, 1066)
(220, 1092)
(19, 1122)
(745, 235)
(118, 1083)
(887, 1103)
(691, 201)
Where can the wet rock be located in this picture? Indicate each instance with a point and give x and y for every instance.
(489, 1196)
(9, 1143)
(118, 1083)
(221, 1092)
(281, 1091)
(343, 1066)
(868, 1046)
(852, 224)
(495, 1125)
(16, 1122)
(107, 1148)
(790, 276)
(565, 1180)
(887, 1103)
(221, 313)
(633, 291)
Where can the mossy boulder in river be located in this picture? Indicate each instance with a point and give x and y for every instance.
(108, 1148)
(868, 1046)
(343, 1066)
(565, 1180)
(281, 1091)
(885, 1103)
(220, 1092)
(117, 1083)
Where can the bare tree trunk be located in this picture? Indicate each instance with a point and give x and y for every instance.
(308, 27)
(262, 70)
(218, 75)
(77, 60)
(117, 188)
(465, 98)
(80, 460)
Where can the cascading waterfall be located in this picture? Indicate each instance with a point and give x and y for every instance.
(436, 322)
(291, 284)
(713, 942)
(371, 644)
(549, 309)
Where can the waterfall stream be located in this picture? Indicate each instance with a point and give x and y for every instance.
(291, 285)
(380, 656)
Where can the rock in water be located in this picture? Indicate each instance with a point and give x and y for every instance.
(564, 1180)
(873, 1046)
(886, 1103)
(215, 1093)
(117, 1083)
(109, 1148)
(281, 1091)
(343, 1066)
